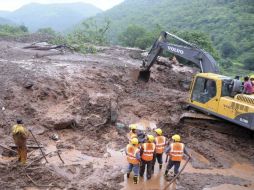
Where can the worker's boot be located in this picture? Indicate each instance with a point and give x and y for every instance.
(128, 175)
(135, 179)
(160, 166)
(166, 173)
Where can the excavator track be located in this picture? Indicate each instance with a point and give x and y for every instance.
(190, 115)
(210, 122)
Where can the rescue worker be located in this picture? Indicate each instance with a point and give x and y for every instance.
(175, 150)
(133, 128)
(160, 143)
(20, 135)
(147, 153)
(133, 157)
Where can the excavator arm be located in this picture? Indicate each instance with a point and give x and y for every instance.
(188, 51)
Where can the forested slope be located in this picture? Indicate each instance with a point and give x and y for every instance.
(230, 23)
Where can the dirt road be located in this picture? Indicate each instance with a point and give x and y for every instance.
(77, 96)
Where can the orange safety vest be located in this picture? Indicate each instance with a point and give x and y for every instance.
(131, 152)
(148, 150)
(160, 142)
(176, 151)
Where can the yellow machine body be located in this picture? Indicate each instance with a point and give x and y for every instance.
(211, 93)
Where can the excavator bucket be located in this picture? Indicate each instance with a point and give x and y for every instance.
(144, 76)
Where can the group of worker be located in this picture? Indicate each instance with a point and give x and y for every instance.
(143, 151)
(248, 85)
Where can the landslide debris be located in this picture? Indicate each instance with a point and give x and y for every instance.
(84, 98)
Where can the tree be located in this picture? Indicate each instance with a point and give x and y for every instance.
(132, 35)
(228, 49)
(48, 31)
(23, 28)
(201, 39)
(249, 63)
(9, 30)
(91, 32)
(226, 63)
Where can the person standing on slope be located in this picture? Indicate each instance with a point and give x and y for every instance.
(20, 135)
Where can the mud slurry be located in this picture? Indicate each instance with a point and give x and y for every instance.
(76, 96)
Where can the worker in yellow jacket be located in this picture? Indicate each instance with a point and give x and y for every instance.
(20, 135)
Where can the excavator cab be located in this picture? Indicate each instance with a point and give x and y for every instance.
(222, 97)
(205, 92)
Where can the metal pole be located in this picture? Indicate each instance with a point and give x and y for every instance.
(39, 146)
(165, 188)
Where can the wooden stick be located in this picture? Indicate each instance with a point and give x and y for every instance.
(8, 148)
(39, 146)
(28, 146)
(38, 159)
(165, 188)
(59, 156)
(38, 185)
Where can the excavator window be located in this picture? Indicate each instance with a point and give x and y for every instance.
(227, 87)
(204, 90)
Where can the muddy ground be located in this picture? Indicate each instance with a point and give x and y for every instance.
(88, 101)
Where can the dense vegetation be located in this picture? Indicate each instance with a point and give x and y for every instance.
(82, 38)
(229, 23)
(9, 30)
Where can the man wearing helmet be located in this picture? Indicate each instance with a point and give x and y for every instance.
(147, 153)
(133, 158)
(132, 133)
(175, 150)
(160, 142)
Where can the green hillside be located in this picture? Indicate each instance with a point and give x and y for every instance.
(230, 23)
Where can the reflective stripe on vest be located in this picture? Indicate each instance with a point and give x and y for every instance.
(131, 152)
(148, 150)
(176, 151)
(160, 143)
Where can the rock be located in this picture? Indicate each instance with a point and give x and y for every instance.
(55, 137)
(107, 155)
(28, 84)
(113, 111)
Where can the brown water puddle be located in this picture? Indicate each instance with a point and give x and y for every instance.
(157, 182)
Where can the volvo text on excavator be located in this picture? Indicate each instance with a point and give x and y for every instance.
(210, 92)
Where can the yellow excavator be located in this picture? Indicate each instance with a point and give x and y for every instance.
(210, 92)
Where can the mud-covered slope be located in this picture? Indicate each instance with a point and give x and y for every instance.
(78, 96)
